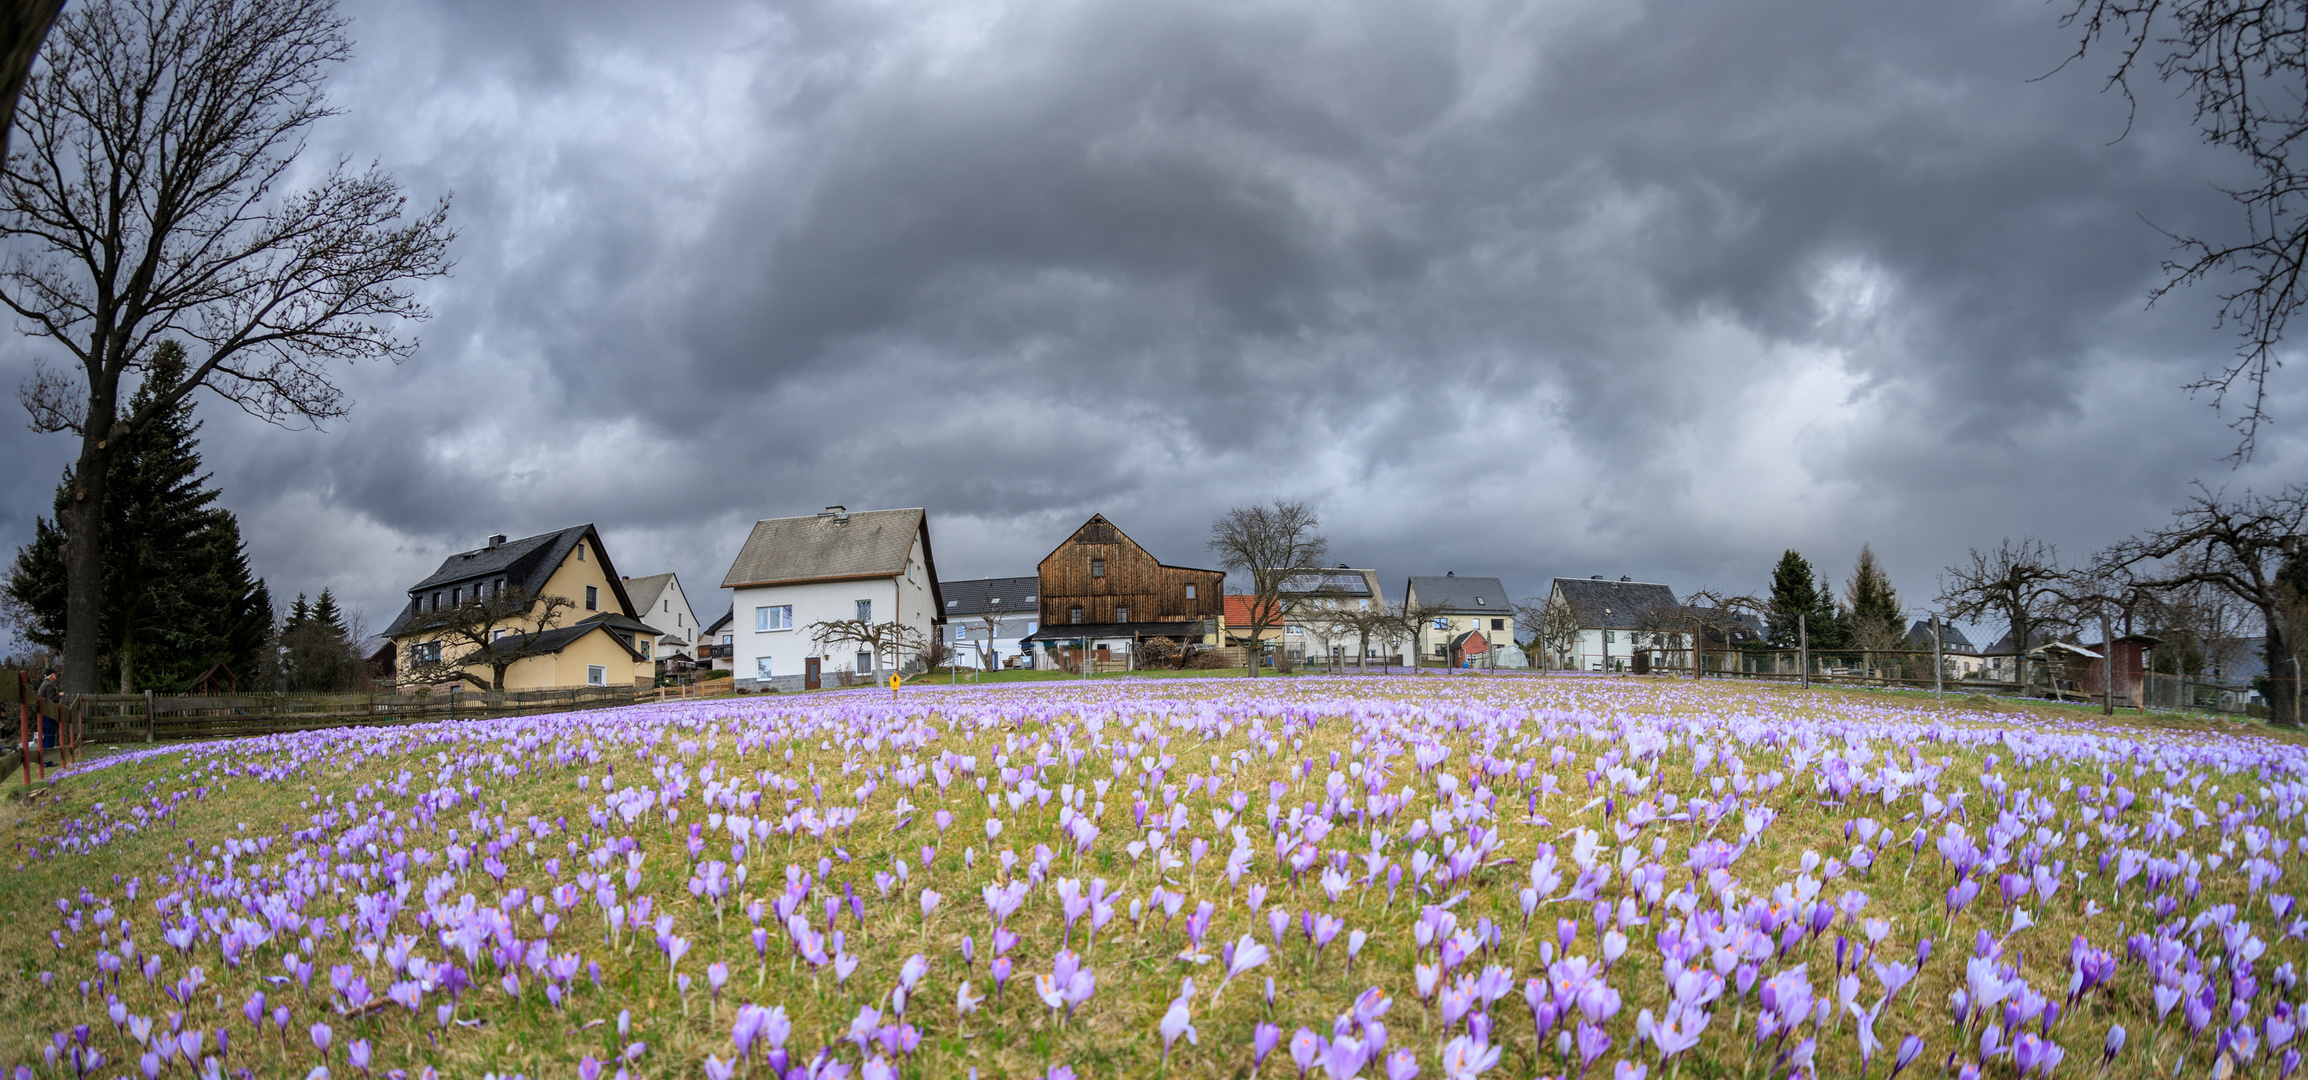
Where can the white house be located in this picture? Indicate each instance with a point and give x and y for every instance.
(795, 573)
(1614, 618)
(1320, 638)
(1461, 604)
(989, 619)
(665, 606)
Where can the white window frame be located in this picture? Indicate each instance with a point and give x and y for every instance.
(772, 618)
(761, 667)
(596, 675)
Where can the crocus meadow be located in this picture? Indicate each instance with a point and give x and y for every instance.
(1379, 877)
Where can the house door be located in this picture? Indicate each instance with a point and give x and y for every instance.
(809, 667)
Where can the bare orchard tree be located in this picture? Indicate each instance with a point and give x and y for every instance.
(2236, 545)
(2020, 582)
(890, 642)
(1377, 622)
(1269, 545)
(1554, 628)
(494, 632)
(2244, 62)
(147, 197)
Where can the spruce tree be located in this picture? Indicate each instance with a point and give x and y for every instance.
(178, 595)
(1796, 589)
(1871, 606)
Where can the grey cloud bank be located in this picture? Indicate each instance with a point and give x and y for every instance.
(1657, 289)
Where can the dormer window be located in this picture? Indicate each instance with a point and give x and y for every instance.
(1479, 601)
(456, 597)
(436, 601)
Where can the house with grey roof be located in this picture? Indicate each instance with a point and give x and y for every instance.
(1595, 624)
(1455, 605)
(1957, 653)
(661, 600)
(551, 609)
(989, 619)
(1314, 631)
(796, 574)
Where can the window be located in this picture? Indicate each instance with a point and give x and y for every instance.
(436, 601)
(499, 587)
(865, 660)
(1122, 614)
(956, 603)
(761, 667)
(677, 623)
(1190, 591)
(428, 652)
(1442, 624)
(595, 674)
(779, 617)
(1610, 636)
(1097, 568)
(669, 605)
(1294, 631)
(499, 635)
(1074, 614)
(1498, 624)
(580, 551)
(456, 597)
(728, 639)
(592, 598)
(1479, 601)
(865, 611)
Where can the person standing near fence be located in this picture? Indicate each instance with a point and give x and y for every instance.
(51, 693)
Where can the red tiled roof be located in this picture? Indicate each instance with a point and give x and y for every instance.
(1239, 610)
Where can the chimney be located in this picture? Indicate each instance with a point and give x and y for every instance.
(839, 514)
(497, 540)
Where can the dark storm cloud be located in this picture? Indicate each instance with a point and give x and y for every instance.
(1656, 289)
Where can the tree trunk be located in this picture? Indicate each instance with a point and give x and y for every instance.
(2283, 678)
(84, 548)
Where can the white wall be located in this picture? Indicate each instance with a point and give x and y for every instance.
(906, 601)
(966, 635)
(677, 619)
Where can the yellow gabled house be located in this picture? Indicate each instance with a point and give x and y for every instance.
(545, 611)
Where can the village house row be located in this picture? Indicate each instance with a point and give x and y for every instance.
(552, 611)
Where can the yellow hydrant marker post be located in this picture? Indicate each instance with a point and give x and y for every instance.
(893, 687)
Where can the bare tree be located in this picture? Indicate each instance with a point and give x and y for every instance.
(493, 632)
(2020, 582)
(992, 621)
(894, 641)
(1554, 628)
(2244, 62)
(147, 199)
(1269, 545)
(2237, 546)
(1725, 614)
(1377, 622)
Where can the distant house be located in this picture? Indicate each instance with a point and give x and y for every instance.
(793, 573)
(1466, 647)
(1614, 620)
(989, 619)
(1241, 613)
(599, 639)
(1099, 589)
(713, 649)
(664, 605)
(1324, 592)
(1956, 650)
(1461, 604)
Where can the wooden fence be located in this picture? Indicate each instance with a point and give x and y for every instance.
(134, 718)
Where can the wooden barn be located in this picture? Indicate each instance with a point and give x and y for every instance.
(1099, 585)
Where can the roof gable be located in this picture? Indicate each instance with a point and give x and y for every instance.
(525, 564)
(1098, 530)
(831, 547)
(647, 591)
(1453, 593)
(1613, 605)
(992, 596)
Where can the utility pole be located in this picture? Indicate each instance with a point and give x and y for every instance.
(1803, 646)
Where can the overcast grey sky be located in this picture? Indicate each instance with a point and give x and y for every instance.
(1537, 289)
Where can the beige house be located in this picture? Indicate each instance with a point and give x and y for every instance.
(489, 607)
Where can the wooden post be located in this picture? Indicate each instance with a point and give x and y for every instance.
(1803, 646)
(1938, 663)
(151, 725)
(2107, 666)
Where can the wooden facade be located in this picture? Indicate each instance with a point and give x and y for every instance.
(1100, 577)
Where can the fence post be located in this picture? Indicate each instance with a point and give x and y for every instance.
(151, 726)
(1803, 645)
(1938, 665)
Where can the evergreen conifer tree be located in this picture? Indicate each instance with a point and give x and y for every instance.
(1796, 589)
(1871, 606)
(178, 596)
